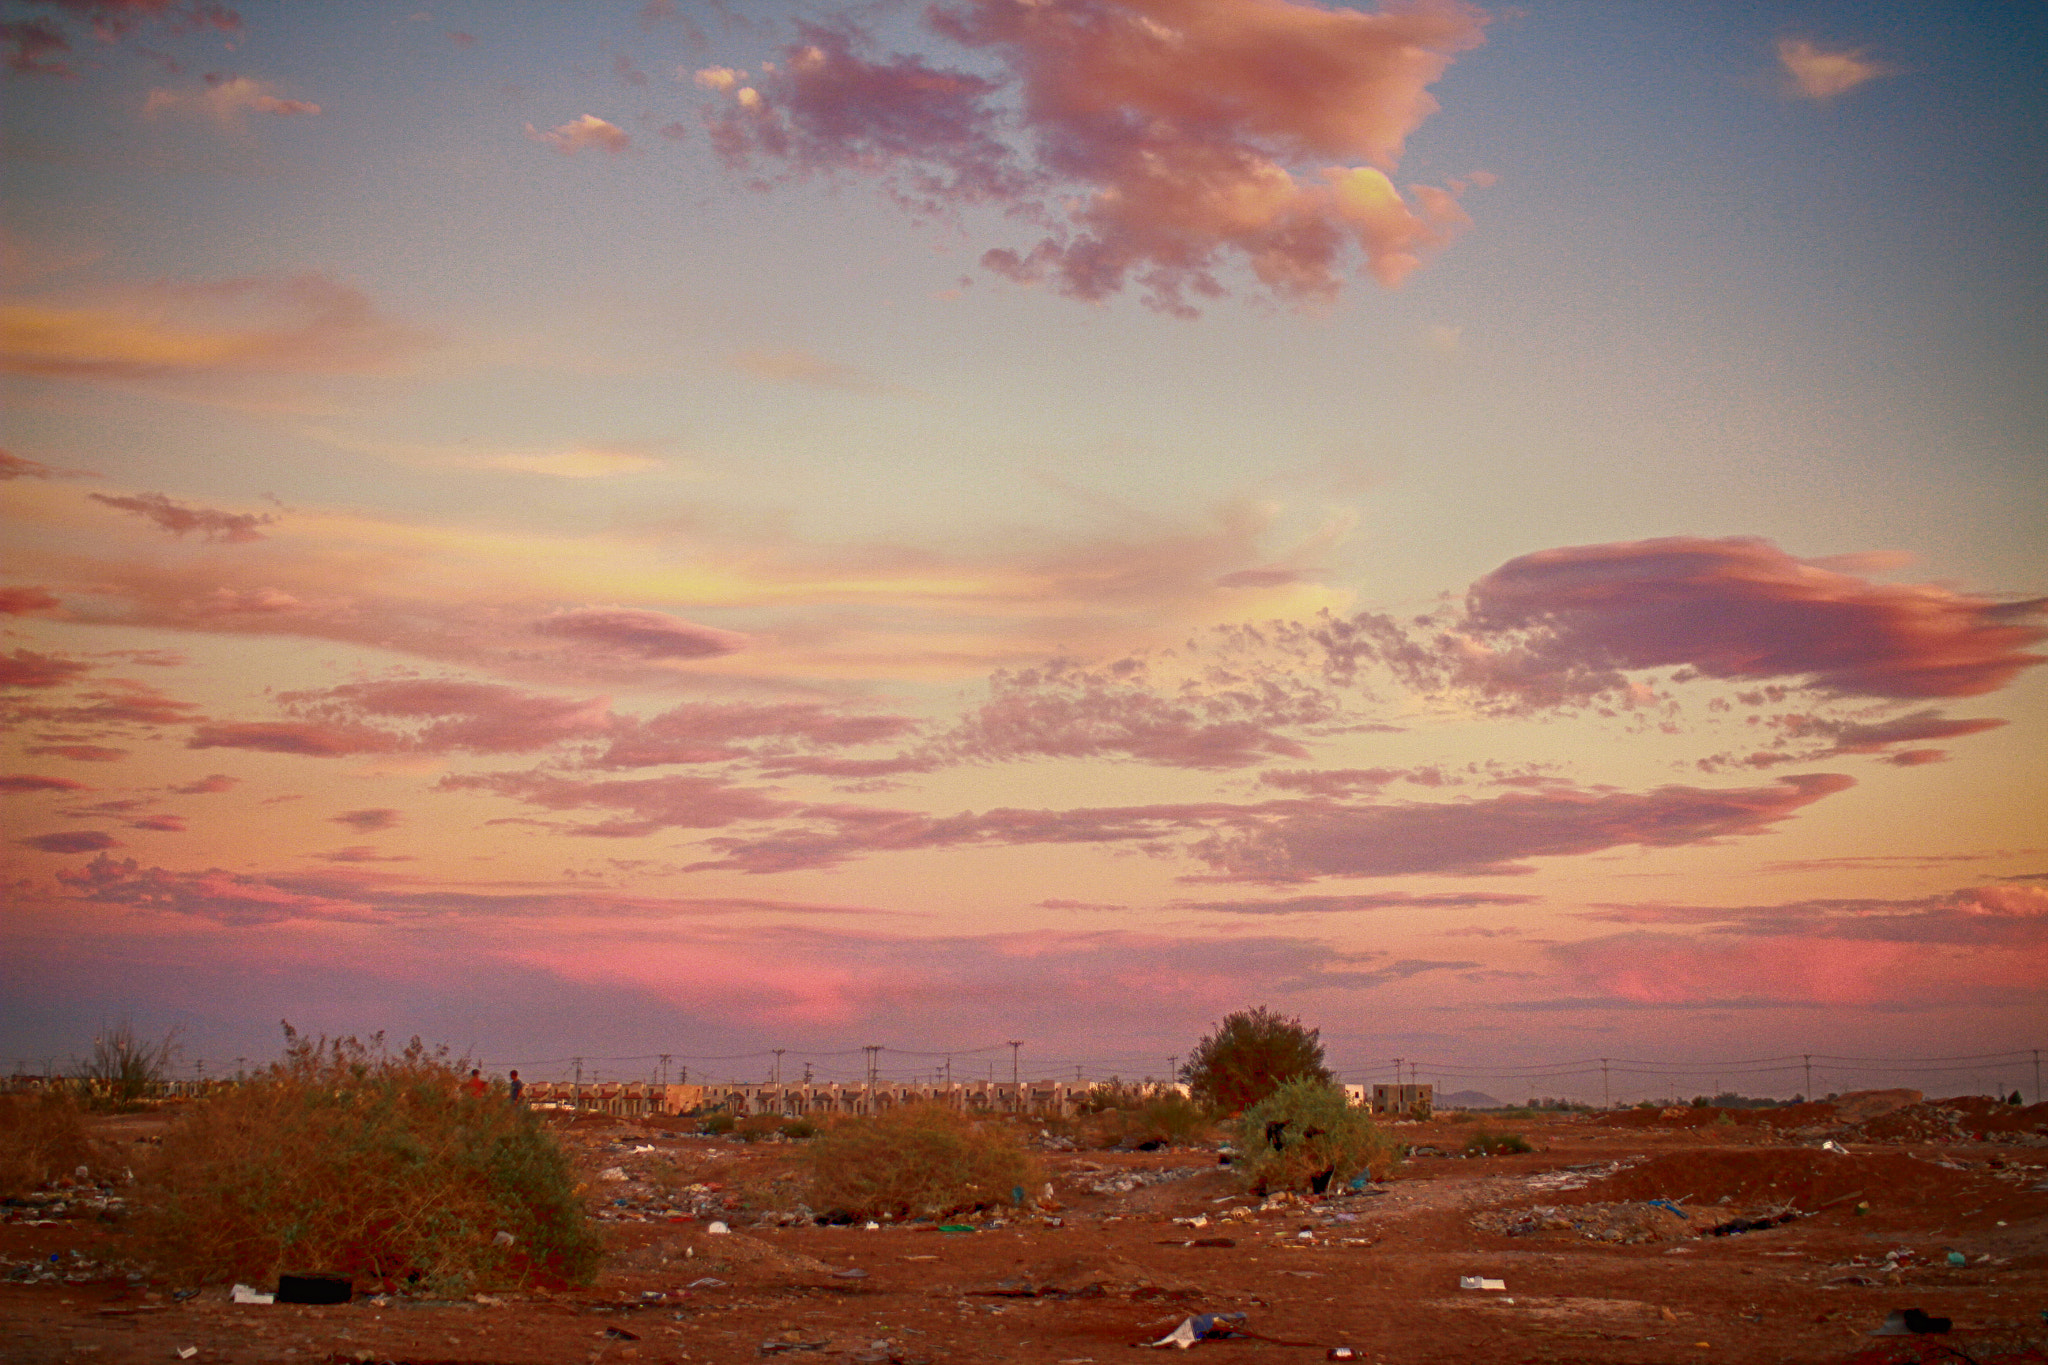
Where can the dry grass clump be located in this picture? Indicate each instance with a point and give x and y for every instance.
(346, 1159)
(1306, 1136)
(920, 1161)
(42, 1137)
(1486, 1143)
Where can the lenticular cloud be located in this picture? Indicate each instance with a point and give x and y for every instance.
(1155, 140)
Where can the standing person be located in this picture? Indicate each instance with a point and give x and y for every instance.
(518, 1087)
(475, 1086)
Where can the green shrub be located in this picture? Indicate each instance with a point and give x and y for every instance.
(1169, 1117)
(797, 1128)
(922, 1161)
(1249, 1055)
(720, 1124)
(345, 1159)
(42, 1137)
(1483, 1143)
(1306, 1136)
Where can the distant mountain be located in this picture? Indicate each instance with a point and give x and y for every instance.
(1469, 1099)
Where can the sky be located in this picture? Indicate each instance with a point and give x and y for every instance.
(1511, 534)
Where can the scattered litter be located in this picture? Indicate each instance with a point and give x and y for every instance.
(613, 1173)
(1832, 1146)
(187, 1352)
(1957, 1258)
(243, 1293)
(1480, 1282)
(1667, 1206)
(313, 1289)
(1205, 1327)
(707, 1282)
(1342, 1353)
(503, 1239)
(1735, 1225)
(850, 1273)
(619, 1334)
(718, 1229)
(1906, 1322)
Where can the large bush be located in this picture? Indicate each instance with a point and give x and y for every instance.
(346, 1159)
(1115, 1118)
(1249, 1055)
(42, 1137)
(1307, 1136)
(919, 1161)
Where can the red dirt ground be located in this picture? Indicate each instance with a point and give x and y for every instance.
(1377, 1272)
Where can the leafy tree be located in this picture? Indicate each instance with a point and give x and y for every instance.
(1249, 1055)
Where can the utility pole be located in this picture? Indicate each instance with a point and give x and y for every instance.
(1808, 1058)
(2037, 1075)
(1016, 1076)
(577, 1094)
(1606, 1099)
(1173, 1068)
(664, 1069)
(778, 1063)
(949, 1072)
(807, 1073)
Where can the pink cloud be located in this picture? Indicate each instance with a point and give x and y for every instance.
(579, 133)
(71, 841)
(310, 738)
(447, 714)
(1164, 139)
(707, 732)
(1891, 973)
(32, 782)
(644, 634)
(167, 824)
(1063, 710)
(25, 601)
(364, 853)
(209, 785)
(231, 527)
(1563, 625)
(27, 668)
(1997, 915)
(1329, 905)
(14, 467)
(81, 753)
(215, 894)
(650, 804)
(35, 42)
(368, 821)
(1494, 837)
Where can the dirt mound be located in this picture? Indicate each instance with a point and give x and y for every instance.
(1858, 1106)
(1964, 1118)
(1784, 1117)
(1805, 1179)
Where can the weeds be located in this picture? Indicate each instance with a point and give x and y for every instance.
(1170, 1118)
(923, 1160)
(1483, 1143)
(124, 1068)
(346, 1159)
(1306, 1136)
(42, 1137)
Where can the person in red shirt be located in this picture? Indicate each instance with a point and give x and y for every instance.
(475, 1086)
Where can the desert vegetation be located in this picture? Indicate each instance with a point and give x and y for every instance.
(1305, 1136)
(919, 1161)
(42, 1139)
(345, 1158)
(1249, 1055)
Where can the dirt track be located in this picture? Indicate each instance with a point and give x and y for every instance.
(1594, 1272)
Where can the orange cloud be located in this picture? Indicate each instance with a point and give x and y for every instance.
(299, 324)
(1816, 73)
(577, 134)
(227, 100)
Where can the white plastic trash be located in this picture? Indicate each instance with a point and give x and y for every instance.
(243, 1293)
(718, 1229)
(1480, 1282)
(503, 1239)
(613, 1173)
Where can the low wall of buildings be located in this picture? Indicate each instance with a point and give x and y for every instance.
(632, 1099)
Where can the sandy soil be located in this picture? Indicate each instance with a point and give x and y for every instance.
(1132, 1243)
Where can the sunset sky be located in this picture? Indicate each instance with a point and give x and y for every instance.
(1513, 534)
